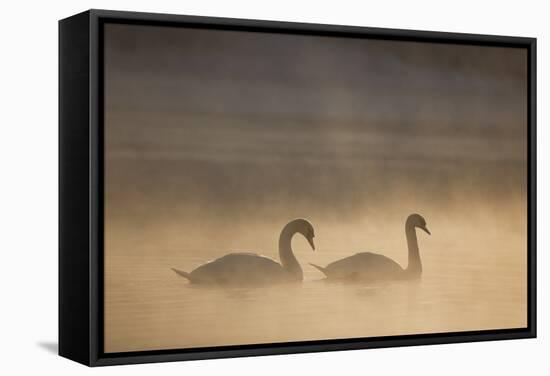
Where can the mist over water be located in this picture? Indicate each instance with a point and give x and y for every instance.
(474, 278)
(215, 140)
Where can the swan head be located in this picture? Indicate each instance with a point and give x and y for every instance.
(305, 228)
(418, 221)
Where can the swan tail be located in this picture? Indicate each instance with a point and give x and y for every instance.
(183, 274)
(320, 268)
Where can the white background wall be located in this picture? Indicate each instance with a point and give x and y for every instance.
(28, 166)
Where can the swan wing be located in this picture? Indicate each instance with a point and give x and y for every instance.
(364, 266)
(240, 268)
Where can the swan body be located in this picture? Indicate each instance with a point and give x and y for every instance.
(245, 269)
(238, 269)
(365, 266)
(372, 267)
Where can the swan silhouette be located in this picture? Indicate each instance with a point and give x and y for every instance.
(244, 269)
(372, 267)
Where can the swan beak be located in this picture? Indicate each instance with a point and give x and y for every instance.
(427, 231)
(310, 241)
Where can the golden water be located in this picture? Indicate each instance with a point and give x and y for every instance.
(474, 279)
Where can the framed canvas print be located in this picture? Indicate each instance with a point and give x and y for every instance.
(239, 187)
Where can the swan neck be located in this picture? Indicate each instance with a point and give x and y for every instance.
(415, 265)
(288, 260)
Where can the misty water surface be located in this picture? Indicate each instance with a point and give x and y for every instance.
(474, 279)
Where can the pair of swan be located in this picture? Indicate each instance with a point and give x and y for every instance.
(253, 269)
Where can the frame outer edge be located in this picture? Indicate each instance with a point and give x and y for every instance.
(95, 188)
(532, 204)
(74, 260)
(98, 358)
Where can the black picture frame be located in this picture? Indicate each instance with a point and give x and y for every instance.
(81, 187)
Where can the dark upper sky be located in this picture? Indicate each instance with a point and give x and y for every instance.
(253, 120)
(320, 78)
